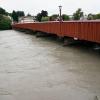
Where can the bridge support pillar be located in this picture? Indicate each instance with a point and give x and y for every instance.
(69, 41)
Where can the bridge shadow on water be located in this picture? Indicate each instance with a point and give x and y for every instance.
(82, 46)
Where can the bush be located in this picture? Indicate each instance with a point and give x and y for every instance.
(45, 19)
(5, 22)
(54, 17)
(78, 14)
(65, 17)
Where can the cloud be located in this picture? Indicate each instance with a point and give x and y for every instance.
(35, 6)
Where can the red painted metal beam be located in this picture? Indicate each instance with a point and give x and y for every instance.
(83, 30)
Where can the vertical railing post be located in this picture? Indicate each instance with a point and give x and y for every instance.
(60, 17)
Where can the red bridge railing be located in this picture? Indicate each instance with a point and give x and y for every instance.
(83, 30)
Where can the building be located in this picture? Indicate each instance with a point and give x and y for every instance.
(26, 19)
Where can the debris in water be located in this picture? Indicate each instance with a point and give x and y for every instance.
(96, 98)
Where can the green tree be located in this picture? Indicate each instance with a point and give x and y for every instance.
(90, 16)
(44, 13)
(10, 14)
(5, 22)
(3, 11)
(45, 19)
(1, 17)
(97, 16)
(53, 17)
(65, 17)
(15, 16)
(93, 16)
(78, 14)
(20, 13)
(40, 15)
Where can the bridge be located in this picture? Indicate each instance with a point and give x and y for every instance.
(81, 30)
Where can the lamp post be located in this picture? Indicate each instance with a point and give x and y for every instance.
(60, 10)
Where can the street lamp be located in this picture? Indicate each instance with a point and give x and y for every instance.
(60, 9)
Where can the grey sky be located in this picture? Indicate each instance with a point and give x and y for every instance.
(35, 6)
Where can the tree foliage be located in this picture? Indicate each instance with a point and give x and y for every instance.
(45, 19)
(40, 15)
(20, 13)
(90, 16)
(97, 16)
(16, 14)
(5, 22)
(44, 13)
(93, 16)
(53, 17)
(65, 17)
(3, 11)
(78, 14)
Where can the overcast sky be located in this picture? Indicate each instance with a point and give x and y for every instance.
(35, 6)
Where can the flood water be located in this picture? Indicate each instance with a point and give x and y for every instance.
(42, 69)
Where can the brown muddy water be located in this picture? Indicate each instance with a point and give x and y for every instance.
(42, 69)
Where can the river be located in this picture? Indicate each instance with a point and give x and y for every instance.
(42, 69)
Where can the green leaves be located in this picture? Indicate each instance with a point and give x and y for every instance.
(65, 17)
(78, 14)
(16, 14)
(40, 15)
(3, 11)
(5, 22)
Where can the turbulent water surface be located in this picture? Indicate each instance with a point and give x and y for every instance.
(42, 69)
